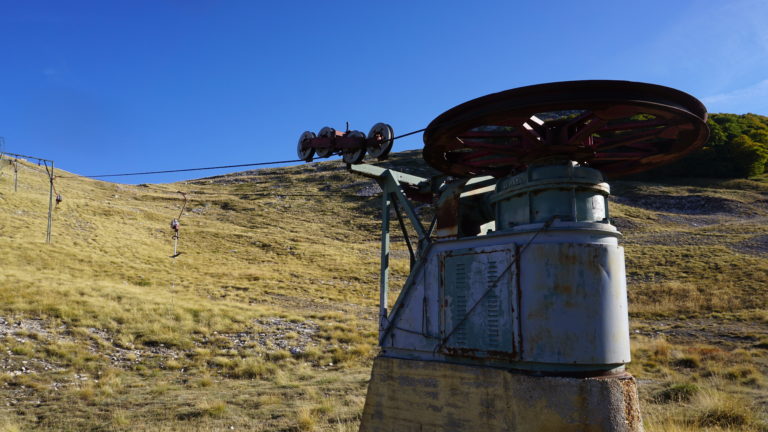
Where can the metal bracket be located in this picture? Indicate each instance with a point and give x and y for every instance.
(378, 173)
(393, 198)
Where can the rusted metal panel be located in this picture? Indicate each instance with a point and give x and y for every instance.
(412, 323)
(423, 309)
(447, 214)
(478, 303)
(574, 304)
(543, 293)
(462, 208)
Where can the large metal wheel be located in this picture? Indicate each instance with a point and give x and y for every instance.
(618, 127)
(304, 150)
(354, 156)
(330, 133)
(380, 140)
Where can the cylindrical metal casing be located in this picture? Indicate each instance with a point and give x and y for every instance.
(566, 191)
(573, 297)
(572, 283)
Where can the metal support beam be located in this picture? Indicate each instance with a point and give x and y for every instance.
(393, 198)
(27, 157)
(384, 272)
(406, 236)
(15, 176)
(51, 176)
(377, 172)
(397, 191)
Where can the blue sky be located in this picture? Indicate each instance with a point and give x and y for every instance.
(110, 87)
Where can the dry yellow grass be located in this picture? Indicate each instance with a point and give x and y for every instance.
(267, 321)
(103, 309)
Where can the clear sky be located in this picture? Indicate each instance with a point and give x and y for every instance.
(120, 86)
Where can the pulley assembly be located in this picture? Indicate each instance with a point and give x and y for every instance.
(352, 144)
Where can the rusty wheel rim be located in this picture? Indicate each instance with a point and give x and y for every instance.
(618, 127)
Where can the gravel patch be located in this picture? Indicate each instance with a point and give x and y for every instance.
(276, 333)
(363, 188)
(20, 330)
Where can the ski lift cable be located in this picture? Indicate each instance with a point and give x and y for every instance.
(186, 169)
(253, 194)
(221, 166)
(278, 194)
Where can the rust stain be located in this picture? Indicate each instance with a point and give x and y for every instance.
(479, 354)
(447, 214)
(563, 288)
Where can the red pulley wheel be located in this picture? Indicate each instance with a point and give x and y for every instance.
(354, 156)
(326, 132)
(618, 127)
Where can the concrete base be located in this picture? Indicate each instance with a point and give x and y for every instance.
(421, 396)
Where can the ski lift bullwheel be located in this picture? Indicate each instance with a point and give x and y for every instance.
(618, 127)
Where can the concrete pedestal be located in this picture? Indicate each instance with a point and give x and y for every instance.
(428, 396)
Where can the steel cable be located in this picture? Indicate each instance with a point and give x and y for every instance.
(215, 167)
(190, 169)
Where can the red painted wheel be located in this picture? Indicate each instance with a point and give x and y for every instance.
(330, 133)
(354, 156)
(618, 127)
(304, 150)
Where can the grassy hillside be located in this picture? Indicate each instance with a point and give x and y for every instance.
(267, 320)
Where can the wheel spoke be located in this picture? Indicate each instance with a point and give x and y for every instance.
(618, 127)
